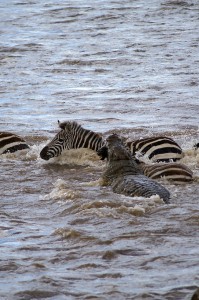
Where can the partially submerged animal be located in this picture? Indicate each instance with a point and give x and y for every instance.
(195, 295)
(125, 176)
(11, 142)
(173, 171)
(156, 149)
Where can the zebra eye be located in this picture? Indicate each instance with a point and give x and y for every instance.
(61, 140)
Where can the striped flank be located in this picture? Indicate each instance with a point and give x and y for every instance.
(157, 149)
(171, 171)
(10, 142)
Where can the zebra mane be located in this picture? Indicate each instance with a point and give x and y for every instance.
(68, 125)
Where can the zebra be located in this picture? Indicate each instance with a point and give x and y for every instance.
(10, 142)
(71, 136)
(176, 172)
(195, 295)
(156, 149)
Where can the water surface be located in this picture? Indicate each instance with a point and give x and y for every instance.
(129, 67)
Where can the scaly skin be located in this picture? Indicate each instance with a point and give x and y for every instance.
(126, 176)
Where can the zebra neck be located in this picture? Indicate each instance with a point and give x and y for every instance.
(88, 139)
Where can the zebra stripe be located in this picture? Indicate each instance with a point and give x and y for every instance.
(157, 149)
(71, 136)
(10, 142)
(171, 171)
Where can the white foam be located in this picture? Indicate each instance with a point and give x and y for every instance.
(81, 156)
(18, 155)
(98, 182)
(28, 154)
(61, 191)
(191, 158)
(118, 205)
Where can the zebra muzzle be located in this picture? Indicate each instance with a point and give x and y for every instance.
(44, 154)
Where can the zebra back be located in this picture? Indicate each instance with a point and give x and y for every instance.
(10, 142)
(157, 149)
(172, 171)
(71, 136)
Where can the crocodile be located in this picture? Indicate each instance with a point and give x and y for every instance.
(124, 174)
(175, 172)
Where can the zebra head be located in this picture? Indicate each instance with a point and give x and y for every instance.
(61, 141)
(71, 136)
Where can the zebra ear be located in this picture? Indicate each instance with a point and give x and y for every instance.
(196, 146)
(136, 160)
(62, 125)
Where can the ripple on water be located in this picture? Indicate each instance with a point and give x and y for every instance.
(128, 67)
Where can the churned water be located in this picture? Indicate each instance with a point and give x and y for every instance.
(130, 67)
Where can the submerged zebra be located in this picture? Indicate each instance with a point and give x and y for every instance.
(10, 142)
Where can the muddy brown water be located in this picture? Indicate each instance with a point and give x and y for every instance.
(129, 67)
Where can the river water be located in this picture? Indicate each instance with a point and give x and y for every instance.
(130, 67)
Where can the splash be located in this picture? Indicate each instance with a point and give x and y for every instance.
(119, 206)
(18, 155)
(81, 156)
(61, 191)
(139, 206)
(67, 233)
(30, 154)
(98, 182)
